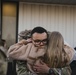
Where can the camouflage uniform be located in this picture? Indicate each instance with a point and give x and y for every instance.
(62, 71)
(3, 63)
(22, 70)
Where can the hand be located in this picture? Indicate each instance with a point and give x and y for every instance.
(24, 41)
(41, 68)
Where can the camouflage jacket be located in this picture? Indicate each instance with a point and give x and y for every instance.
(3, 63)
(23, 70)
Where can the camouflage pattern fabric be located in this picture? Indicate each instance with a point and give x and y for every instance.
(66, 71)
(3, 64)
(23, 70)
(62, 71)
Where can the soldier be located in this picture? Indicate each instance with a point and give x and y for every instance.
(3, 62)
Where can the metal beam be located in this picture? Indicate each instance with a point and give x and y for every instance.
(0, 18)
(67, 2)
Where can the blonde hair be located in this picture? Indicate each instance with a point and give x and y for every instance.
(57, 57)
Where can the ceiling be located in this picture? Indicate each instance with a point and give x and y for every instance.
(66, 2)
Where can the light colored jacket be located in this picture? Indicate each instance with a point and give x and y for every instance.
(28, 52)
(70, 52)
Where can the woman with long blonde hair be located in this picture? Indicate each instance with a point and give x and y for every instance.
(57, 55)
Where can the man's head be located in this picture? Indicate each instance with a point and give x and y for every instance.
(39, 36)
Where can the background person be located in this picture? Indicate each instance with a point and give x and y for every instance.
(3, 45)
(3, 57)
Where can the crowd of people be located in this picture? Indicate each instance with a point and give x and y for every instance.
(40, 52)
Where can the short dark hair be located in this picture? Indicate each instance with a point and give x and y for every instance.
(39, 30)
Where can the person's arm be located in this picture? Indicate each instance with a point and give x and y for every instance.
(43, 68)
(18, 51)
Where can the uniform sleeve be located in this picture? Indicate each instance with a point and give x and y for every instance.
(61, 71)
(3, 64)
(66, 71)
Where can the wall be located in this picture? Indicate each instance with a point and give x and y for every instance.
(9, 22)
(52, 17)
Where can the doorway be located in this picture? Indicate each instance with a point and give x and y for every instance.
(9, 22)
